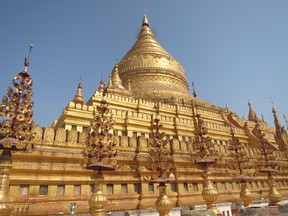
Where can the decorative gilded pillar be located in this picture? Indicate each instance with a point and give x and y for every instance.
(161, 162)
(240, 167)
(268, 165)
(16, 125)
(205, 155)
(101, 146)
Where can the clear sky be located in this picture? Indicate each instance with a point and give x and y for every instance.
(234, 51)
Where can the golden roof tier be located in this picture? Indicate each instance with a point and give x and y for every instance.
(148, 68)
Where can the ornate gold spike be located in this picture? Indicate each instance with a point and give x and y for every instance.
(204, 148)
(161, 160)
(266, 156)
(240, 160)
(262, 119)
(16, 109)
(101, 86)
(276, 120)
(78, 98)
(252, 116)
(101, 143)
(116, 80)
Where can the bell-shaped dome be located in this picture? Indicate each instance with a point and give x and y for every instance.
(148, 68)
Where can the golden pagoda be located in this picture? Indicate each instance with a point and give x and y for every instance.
(52, 179)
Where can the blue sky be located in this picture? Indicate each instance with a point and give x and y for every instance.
(234, 51)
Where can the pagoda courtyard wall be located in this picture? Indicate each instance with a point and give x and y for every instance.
(52, 176)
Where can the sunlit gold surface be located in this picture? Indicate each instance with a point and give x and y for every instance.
(98, 200)
(269, 165)
(147, 67)
(100, 145)
(205, 155)
(274, 196)
(163, 204)
(58, 153)
(240, 166)
(57, 159)
(209, 193)
(245, 194)
(6, 205)
(16, 109)
(16, 125)
(161, 160)
(204, 148)
(78, 98)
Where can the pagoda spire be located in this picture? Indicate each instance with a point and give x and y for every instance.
(116, 80)
(280, 133)
(252, 116)
(277, 123)
(147, 65)
(101, 86)
(145, 30)
(110, 83)
(262, 119)
(78, 98)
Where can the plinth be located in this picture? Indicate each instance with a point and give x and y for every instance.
(98, 200)
(274, 196)
(209, 193)
(163, 204)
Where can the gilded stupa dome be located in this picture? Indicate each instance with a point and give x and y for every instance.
(150, 71)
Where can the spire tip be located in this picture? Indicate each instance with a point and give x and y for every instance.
(145, 20)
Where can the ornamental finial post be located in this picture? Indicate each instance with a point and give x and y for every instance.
(16, 126)
(205, 155)
(101, 148)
